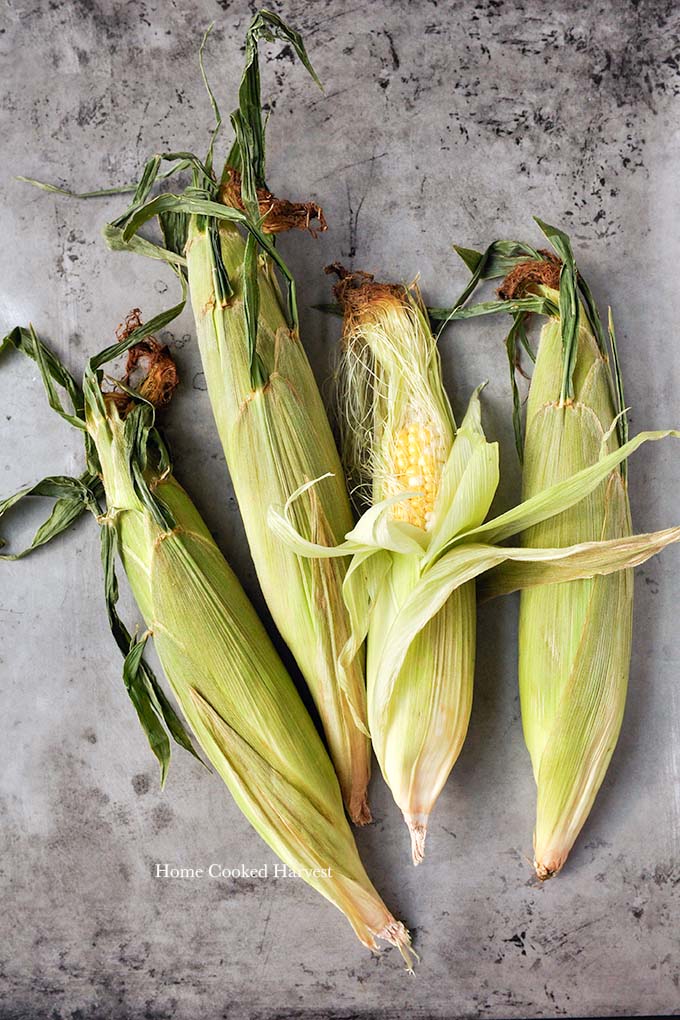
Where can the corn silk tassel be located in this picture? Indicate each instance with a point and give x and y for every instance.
(233, 689)
(419, 547)
(574, 637)
(269, 414)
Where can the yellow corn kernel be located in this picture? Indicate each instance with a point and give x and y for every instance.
(418, 461)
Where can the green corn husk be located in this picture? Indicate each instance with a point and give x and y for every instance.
(275, 437)
(424, 483)
(574, 637)
(269, 414)
(226, 675)
(419, 547)
(398, 435)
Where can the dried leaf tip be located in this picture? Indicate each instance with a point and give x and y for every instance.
(278, 214)
(360, 812)
(397, 935)
(418, 830)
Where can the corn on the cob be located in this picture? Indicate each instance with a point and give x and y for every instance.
(269, 414)
(418, 549)
(575, 636)
(398, 433)
(425, 483)
(229, 681)
(276, 436)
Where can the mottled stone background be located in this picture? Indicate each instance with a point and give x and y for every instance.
(440, 122)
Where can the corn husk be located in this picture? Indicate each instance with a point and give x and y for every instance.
(233, 690)
(410, 587)
(269, 415)
(574, 637)
(275, 437)
(398, 436)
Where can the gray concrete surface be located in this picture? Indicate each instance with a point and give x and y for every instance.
(441, 122)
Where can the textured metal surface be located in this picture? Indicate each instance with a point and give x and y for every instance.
(440, 122)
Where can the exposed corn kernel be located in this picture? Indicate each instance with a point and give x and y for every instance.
(418, 458)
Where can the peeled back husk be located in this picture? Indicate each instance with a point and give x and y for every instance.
(398, 436)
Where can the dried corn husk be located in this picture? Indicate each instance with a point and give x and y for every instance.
(229, 681)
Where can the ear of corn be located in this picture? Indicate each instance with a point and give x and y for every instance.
(229, 681)
(399, 435)
(574, 636)
(269, 414)
(410, 587)
(276, 436)
(403, 455)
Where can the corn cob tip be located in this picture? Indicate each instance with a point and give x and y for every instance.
(544, 871)
(417, 826)
(360, 813)
(398, 935)
(549, 862)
